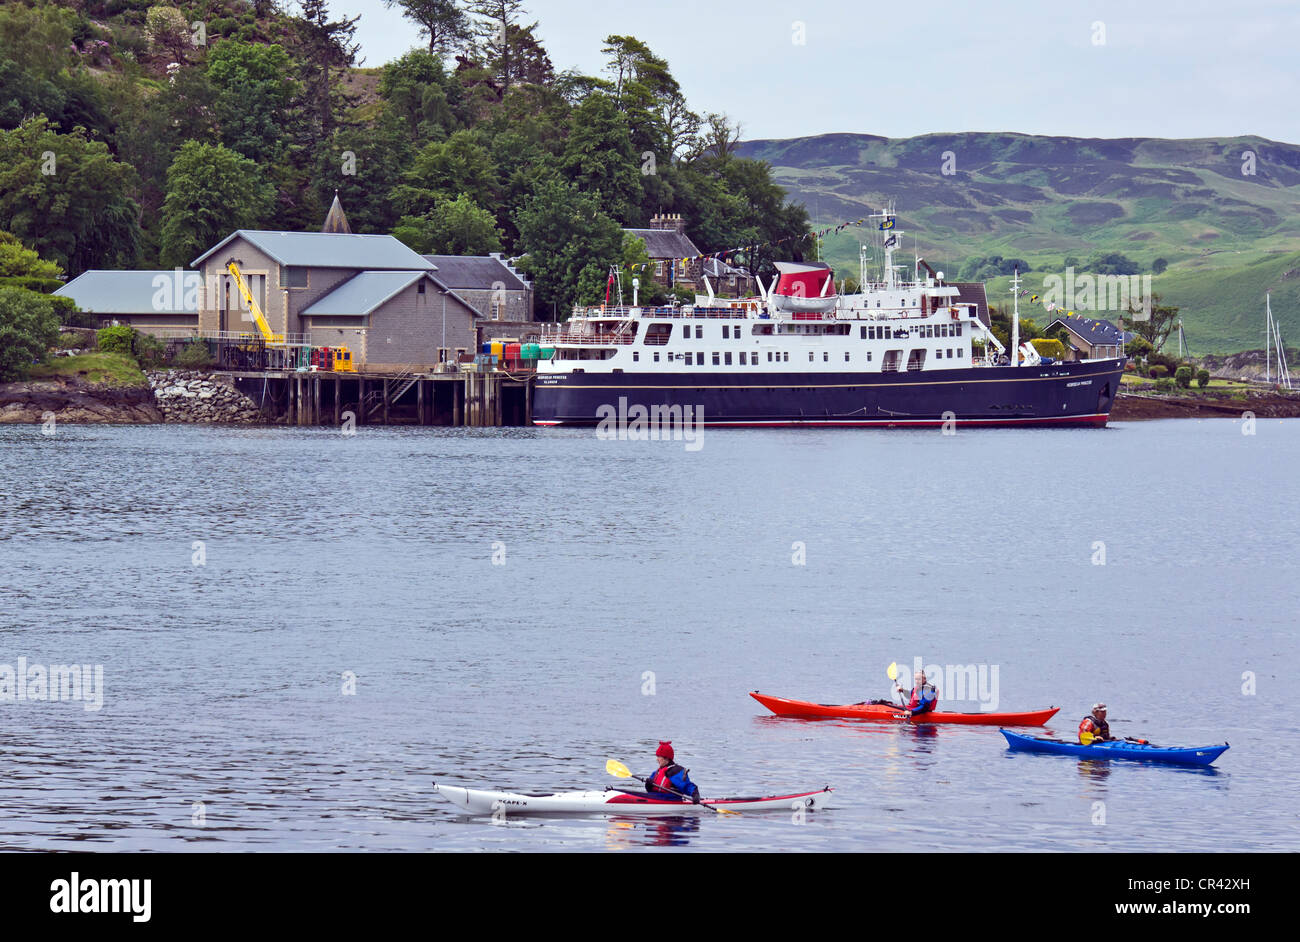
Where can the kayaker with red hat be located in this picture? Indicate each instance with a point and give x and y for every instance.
(1093, 727)
(924, 697)
(671, 777)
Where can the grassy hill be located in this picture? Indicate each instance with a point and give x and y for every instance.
(1227, 236)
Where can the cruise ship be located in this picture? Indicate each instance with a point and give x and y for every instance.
(902, 352)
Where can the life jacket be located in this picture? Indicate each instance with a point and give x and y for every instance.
(1090, 724)
(662, 780)
(925, 689)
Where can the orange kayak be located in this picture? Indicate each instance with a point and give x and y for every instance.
(883, 712)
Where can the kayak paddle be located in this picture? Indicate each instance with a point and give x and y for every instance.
(892, 674)
(619, 770)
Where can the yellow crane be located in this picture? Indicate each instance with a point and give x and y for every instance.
(336, 359)
(259, 318)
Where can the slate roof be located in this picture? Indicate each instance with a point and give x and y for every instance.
(366, 291)
(665, 243)
(328, 250)
(973, 292)
(1092, 332)
(132, 292)
(475, 272)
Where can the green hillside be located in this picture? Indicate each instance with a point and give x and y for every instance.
(1226, 236)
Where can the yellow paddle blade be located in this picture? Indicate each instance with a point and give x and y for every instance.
(724, 810)
(892, 673)
(617, 769)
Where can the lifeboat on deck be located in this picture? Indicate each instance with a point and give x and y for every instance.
(803, 288)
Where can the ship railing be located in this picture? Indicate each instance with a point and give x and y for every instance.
(669, 312)
(585, 339)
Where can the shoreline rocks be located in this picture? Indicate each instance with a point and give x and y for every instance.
(201, 398)
(172, 396)
(31, 403)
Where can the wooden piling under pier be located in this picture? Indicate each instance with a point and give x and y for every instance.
(478, 400)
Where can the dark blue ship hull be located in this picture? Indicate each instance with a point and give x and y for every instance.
(1059, 394)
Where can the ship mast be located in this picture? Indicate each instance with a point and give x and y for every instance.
(1015, 318)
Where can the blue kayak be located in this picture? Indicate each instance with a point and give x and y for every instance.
(1117, 749)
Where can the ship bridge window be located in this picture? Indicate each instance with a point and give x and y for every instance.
(699, 331)
(864, 332)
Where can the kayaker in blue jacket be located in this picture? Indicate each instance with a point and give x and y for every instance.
(924, 697)
(671, 777)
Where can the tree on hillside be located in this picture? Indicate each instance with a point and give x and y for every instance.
(718, 138)
(417, 90)
(28, 328)
(327, 48)
(211, 191)
(493, 29)
(254, 90)
(65, 196)
(567, 242)
(1112, 263)
(446, 169)
(168, 32)
(445, 22)
(40, 72)
(599, 157)
(651, 99)
(451, 227)
(531, 62)
(1155, 328)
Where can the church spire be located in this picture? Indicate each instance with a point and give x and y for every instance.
(336, 220)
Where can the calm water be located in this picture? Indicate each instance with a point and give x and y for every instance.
(223, 681)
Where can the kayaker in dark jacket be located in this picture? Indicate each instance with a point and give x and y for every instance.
(924, 697)
(1093, 727)
(671, 777)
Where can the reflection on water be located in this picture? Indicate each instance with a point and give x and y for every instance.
(367, 563)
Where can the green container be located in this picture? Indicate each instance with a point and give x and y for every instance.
(547, 353)
(530, 351)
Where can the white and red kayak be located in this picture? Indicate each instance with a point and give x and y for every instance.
(619, 801)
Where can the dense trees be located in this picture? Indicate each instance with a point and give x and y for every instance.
(65, 196)
(211, 190)
(168, 145)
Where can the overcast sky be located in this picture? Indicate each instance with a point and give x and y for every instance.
(1087, 68)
